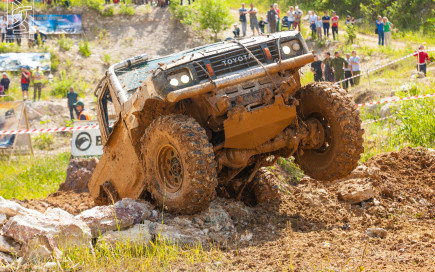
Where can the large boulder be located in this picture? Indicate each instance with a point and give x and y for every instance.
(78, 174)
(123, 214)
(356, 190)
(137, 236)
(3, 219)
(10, 208)
(45, 234)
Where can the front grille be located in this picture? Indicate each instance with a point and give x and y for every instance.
(219, 67)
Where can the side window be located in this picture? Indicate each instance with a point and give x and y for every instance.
(107, 113)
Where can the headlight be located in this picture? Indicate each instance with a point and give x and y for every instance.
(286, 50)
(296, 46)
(179, 77)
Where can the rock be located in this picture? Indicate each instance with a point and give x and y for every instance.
(376, 233)
(172, 234)
(356, 190)
(123, 214)
(265, 187)
(78, 174)
(3, 219)
(8, 245)
(10, 208)
(215, 218)
(138, 235)
(386, 110)
(6, 258)
(42, 235)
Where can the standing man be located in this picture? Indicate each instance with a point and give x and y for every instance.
(326, 21)
(298, 18)
(348, 74)
(291, 17)
(5, 82)
(271, 19)
(334, 20)
(338, 65)
(25, 82)
(380, 28)
(242, 18)
(253, 21)
(327, 68)
(37, 83)
(354, 63)
(82, 113)
(72, 99)
(422, 58)
(316, 68)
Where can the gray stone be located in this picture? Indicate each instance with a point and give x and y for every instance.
(174, 234)
(123, 214)
(376, 233)
(8, 245)
(138, 235)
(6, 259)
(356, 190)
(3, 219)
(42, 235)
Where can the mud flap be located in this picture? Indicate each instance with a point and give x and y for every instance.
(119, 165)
(245, 130)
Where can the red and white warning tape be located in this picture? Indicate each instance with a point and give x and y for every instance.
(384, 65)
(44, 130)
(396, 99)
(374, 121)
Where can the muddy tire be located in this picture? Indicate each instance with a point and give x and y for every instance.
(179, 164)
(343, 142)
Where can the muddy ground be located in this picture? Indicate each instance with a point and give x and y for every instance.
(312, 228)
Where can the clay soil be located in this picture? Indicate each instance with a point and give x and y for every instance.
(311, 229)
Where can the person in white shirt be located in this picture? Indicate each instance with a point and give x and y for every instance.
(253, 21)
(291, 17)
(354, 61)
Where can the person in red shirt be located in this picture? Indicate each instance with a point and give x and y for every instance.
(25, 82)
(334, 21)
(422, 58)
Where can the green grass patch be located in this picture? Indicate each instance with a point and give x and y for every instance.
(33, 177)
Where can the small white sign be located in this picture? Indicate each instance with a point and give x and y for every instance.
(86, 142)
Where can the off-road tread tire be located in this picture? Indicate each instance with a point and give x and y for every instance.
(197, 155)
(337, 105)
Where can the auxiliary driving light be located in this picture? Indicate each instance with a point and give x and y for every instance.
(296, 46)
(174, 82)
(286, 50)
(179, 77)
(185, 79)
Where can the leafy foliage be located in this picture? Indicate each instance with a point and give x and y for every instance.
(214, 15)
(43, 141)
(64, 43)
(350, 34)
(84, 48)
(126, 10)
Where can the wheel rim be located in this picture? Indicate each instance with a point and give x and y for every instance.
(327, 132)
(170, 168)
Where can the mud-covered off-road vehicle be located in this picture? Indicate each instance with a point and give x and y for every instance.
(191, 123)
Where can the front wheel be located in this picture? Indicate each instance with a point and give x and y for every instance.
(179, 164)
(341, 145)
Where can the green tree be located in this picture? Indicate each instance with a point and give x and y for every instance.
(214, 15)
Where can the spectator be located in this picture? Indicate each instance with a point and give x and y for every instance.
(338, 65)
(261, 24)
(312, 19)
(352, 22)
(107, 2)
(236, 31)
(298, 18)
(4, 26)
(354, 63)
(316, 68)
(242, 13)
(39, 37)
(72, 99)
(319, 26)
(422, 58)
(348, 73)
(10, 33)
(387, 31)
(326, 21)
(291, 17)
(327, 68)
(275, 6)
(82, 113)
(17, 31)
(5, 82)
(334, 20)
(37, 83)
(380, 30)
(25, 82)
(253, 21)
(348, 20)
(271, 19)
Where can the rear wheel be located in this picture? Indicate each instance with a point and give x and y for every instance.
(179, 164)
(333, 112)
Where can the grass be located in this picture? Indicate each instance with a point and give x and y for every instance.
(25, 177)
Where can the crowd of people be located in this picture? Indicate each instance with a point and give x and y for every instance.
(11, 32)
(337, 69)
(26, 77)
